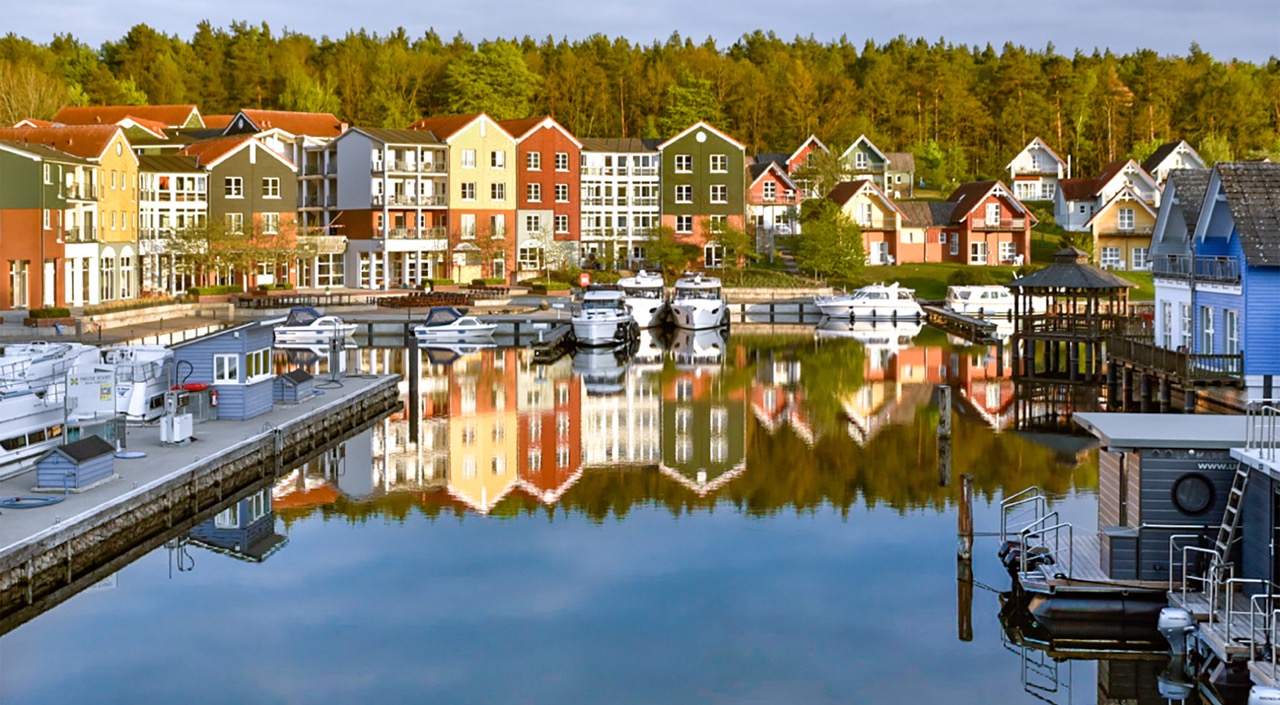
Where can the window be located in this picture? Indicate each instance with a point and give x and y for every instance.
(46, 218)
(862, 214)
(717, 223)
(719, 193)
(1206, 331)
(226, 368)
(270, 187)
(719, 163)
(533, 161)
(533, 223)
(1186, 327)
(684, 224)
(860, 160)
(1124, 220)
(1008, 250)
(498, 159)
(533, 193)
(530, 258)
(955, 246)
(562, 224)
(468, 159)
(977, 253)
(468, 190)
(498, 192)
(498, 225)
(1166, 325)
(942, 238)
(993, 214)
(713, 255)
(270, 223)
(47, 178)
(562, 161)
(684, 163)
(562, 193)
(1231, 324)
(684, 193)
(235, 222)
(770, 191)
(468, 226)
(257, 364)
(1139, 257)
(233, 186)
(499, 464)
(1111, 258)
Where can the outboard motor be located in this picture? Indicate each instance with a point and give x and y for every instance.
(1174, 625)
(1264, 695)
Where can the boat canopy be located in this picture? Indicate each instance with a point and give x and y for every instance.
(301, 317)
(442, 316)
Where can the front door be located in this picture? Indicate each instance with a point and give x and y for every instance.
(879, 253)
(48, 281)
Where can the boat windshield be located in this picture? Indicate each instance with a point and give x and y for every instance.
(442, 316)
(302, 316)
(601, 304)
(643, 292)
(711, 293)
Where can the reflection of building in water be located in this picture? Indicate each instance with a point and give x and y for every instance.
(401, 462)
(896, 384)
(246, 530)
(549, 434)
(624, 429)
(776, 398)
(703, 428)
(483, 428)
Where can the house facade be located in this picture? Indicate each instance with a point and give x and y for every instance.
(548, 189)
(621, 197)
(1077, 200)
(236, 362)
(1171, 257)
(773, 203)
(893, 172)
(173, 197)
(1122, 231)
(703, 186)
(1169, 157)
(33, 214)
(988, 225)
(876, 215)
(1036, 172)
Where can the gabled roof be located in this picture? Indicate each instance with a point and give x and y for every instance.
(168, 164)
(86, 448)
(925, 214)
(971, 194)
(1253, 195)
(812, 138)
(33, 122)
(861, 139)
(846, 190)
(446, 126)
(168, 115)
(388, 135)
(1079, 189)
(1071, 270)
(1125, 194)
(218, 122)
(39, 151)
(770, 157)
(520, 129)
(210, 153)
(1037, 142)
(702, 125)
(151, 127)
(88, 141)
(295, 123)
(1189, 186)
(618, 144)
(901, 161)
(758, 171)
(1083, 189)
(1163, 152)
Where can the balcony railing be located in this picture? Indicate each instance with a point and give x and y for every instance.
(1140, 230)
(1189, 368)
(320, 202)
(81, 235)
(82, 192)
(1011, 224)
(1202, 268)
(416, 233)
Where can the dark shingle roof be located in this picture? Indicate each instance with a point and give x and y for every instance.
(901, 161)
(779, 159)
(1253, 195)
(1162, 153)
(394, 136)
(845, 190)
(167, 164)
(1190, 185)
(612, 144)
(297, 376)
(86, 448)
(46, 153)
(923, 214)
(1071, 270)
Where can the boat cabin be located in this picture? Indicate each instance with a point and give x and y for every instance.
(236, 363)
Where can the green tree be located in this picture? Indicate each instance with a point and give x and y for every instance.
(832, 243)
(494, 80)
(739, 246)
(671, 255)
(687, 101)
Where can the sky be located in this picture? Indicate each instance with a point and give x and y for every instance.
(1244, 29)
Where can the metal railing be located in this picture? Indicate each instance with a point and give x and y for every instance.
(1032, 500)
(1262, 427)
(1012, 224)
(1207, 581)
(82, 192)
(1042, 534)
(1230, 612)
(1174, 551)
(80, 235)
(1200, 267)
(416, 233)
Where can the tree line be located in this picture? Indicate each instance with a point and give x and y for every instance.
(963, 110)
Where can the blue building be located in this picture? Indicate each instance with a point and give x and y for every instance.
(236, 362)
(1218, 286)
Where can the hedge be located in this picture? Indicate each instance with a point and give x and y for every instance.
(49, 312)
(545, 288)
(130, 305)
(439, 281)
(491, 281)
(216, 290)
(278, 286)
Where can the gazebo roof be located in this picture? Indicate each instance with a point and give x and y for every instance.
(1071, 270)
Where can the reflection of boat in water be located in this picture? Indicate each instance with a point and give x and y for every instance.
(871, 332)
(603, 370)
(698, 348)
(307, 325)
(446, 323)
(447, 353)
(649, 351)
(1081, 626)
(644, 297)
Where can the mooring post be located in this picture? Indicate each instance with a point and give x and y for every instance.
(1144, 403)
(1113, 388)
(1000, 358)
(964, 599)
(1166, 392)
(964, 519)
(415, 402)
(1188, 400)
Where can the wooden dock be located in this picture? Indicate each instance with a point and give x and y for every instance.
(977, 330)
(1080, 572)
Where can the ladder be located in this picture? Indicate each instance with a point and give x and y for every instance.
(1231, 516)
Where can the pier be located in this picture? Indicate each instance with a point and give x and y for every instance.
(977, 330)
(47, 554)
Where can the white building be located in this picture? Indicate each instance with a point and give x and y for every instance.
(620, 197)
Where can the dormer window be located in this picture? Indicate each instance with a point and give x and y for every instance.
(860, 160)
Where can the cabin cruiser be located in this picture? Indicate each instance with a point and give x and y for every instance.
(446, 323)
(307, 325)
(643, 295)
(872, 333)
(698, 303)
(874, 301)
(692, 349)
(40, 362)
(143, 374)
(33, 404)
(603, 318)
(984, 301)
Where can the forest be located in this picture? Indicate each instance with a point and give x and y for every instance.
(965, 111)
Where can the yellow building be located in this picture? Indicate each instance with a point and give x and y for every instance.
(1122, 231)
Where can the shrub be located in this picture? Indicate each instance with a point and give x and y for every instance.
(972, 276)
(215, 290)
(1026, 269)
(605, 276)
(489, 281)
(49, 312)
(439, 281)
(553, 287)
(130, 305)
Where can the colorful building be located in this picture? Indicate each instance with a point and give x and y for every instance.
(703, 187)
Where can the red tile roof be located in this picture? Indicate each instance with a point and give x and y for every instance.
(88, 141)
(153, 126)
(846, 190)
(519, 128)
(209, 152)
(217, 122)
(444, 126)
(33, 122)
(170, 115)
(296, 123)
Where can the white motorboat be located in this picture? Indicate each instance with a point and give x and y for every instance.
(41, 362)
(31, 422)
(603, 318)
(699, 303)
(983, 301)
(305, 325)
(872, 333)
(644, 295)
(874, 301)
(143, 374)
(701, 348)
(448, 324)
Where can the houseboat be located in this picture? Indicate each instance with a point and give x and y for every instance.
(698, 303)
(875, 301)
(645, 295)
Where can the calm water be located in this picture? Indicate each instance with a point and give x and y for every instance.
(750, 521)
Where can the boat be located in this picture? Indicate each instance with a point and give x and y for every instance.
(698, 303)
(982, 301)
(33, 398)
(448, 324)
(39, 362)
(872, 333)
(874, 301)
(644, 296)
(603, 318)
(307, 325)
(143, 374)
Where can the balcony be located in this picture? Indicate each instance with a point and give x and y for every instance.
(1139, 231)
(1225, 270)
(1010, 224)
(72, 235)
(82, 192)
(319, 202)
(1187, 368)
(437, 233)
(431, 167)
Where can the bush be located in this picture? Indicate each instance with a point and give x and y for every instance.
(49, 312)
(972, 276)
(553, 287)
(439, 281)
(130, 305)
(1026, 269)
(489, 281)
(605, 276)
(215, 290)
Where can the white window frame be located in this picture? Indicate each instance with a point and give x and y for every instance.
(257, 365)
(468, 159)
(993, 214)
(719, 163)
(684, 193)
(498, 159)
(226, 368)
(562, 161)
(468, 190)
(1206, 330)
(533, 193)
(1188, 326)
(1231, 331)
(978, 252)
(1110, 258)
(1007, 251)
(232, 186)
(955, 246)
(769, 192)
(1166, 324)
(533, 161)
(860, 160)
(498, 191)
(684, 224)
(1139, 259)
(234, 221)
(270, 187)
(713, 255)
(719, 193)
(270, 223)
(684, 164)
(562, 193)
(532, 223)
(562, 224)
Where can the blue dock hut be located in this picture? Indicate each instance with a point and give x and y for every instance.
(236, 363)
